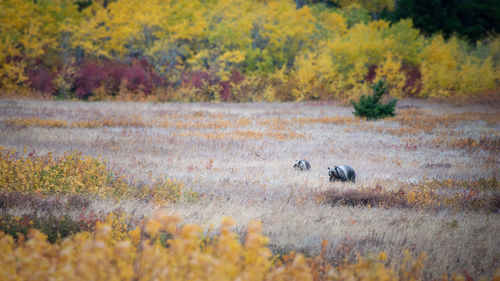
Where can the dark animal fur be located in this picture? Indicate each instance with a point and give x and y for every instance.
(342, 173)
(302, 165)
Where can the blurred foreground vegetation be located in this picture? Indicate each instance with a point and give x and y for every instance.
(163, 249)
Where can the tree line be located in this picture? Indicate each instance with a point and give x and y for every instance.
(252, 50)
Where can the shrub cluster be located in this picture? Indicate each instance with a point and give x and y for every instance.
(54, 227)
(95, 79)
(111, 78)
(68, 174)
(74, 174)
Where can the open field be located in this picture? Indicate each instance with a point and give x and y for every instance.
(441, 159)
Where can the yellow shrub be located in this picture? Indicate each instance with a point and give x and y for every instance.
(167, 190)
(71, 173)
(439, 68)
(269, 94)
(12, 77)
(475, 75)
(133, 255)
(77, 174)
(449, 69)
(390, 70)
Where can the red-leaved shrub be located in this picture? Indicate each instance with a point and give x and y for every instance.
(413, 83)
(42, 80)
(199, 79)
(90, 76)
(235, 78)
(372, 72)
(140, 76)
(137, 77)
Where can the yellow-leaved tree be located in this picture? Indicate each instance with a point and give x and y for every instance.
(31, 30)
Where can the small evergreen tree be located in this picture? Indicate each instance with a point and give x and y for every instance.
(370, 106)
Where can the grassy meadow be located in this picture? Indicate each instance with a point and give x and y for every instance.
(155, 140)
(426, 186)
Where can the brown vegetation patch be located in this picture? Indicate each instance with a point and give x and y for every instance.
(38, 203)
(491, 144)
(130, 122)
(279, 135)
(275, 123)
(437, 165)
(416, 121)
(480, 195)
(343, 120)
(364, 197)
(469, 144)
(35, 122)
(488, 98)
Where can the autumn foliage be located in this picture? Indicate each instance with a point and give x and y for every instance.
(162, 248)
(75, 174)
(230, 50)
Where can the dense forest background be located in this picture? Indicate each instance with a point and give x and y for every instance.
(247, 50)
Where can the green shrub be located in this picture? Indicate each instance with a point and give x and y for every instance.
(370, 106)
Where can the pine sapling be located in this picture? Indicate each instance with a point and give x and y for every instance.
(370, 106)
